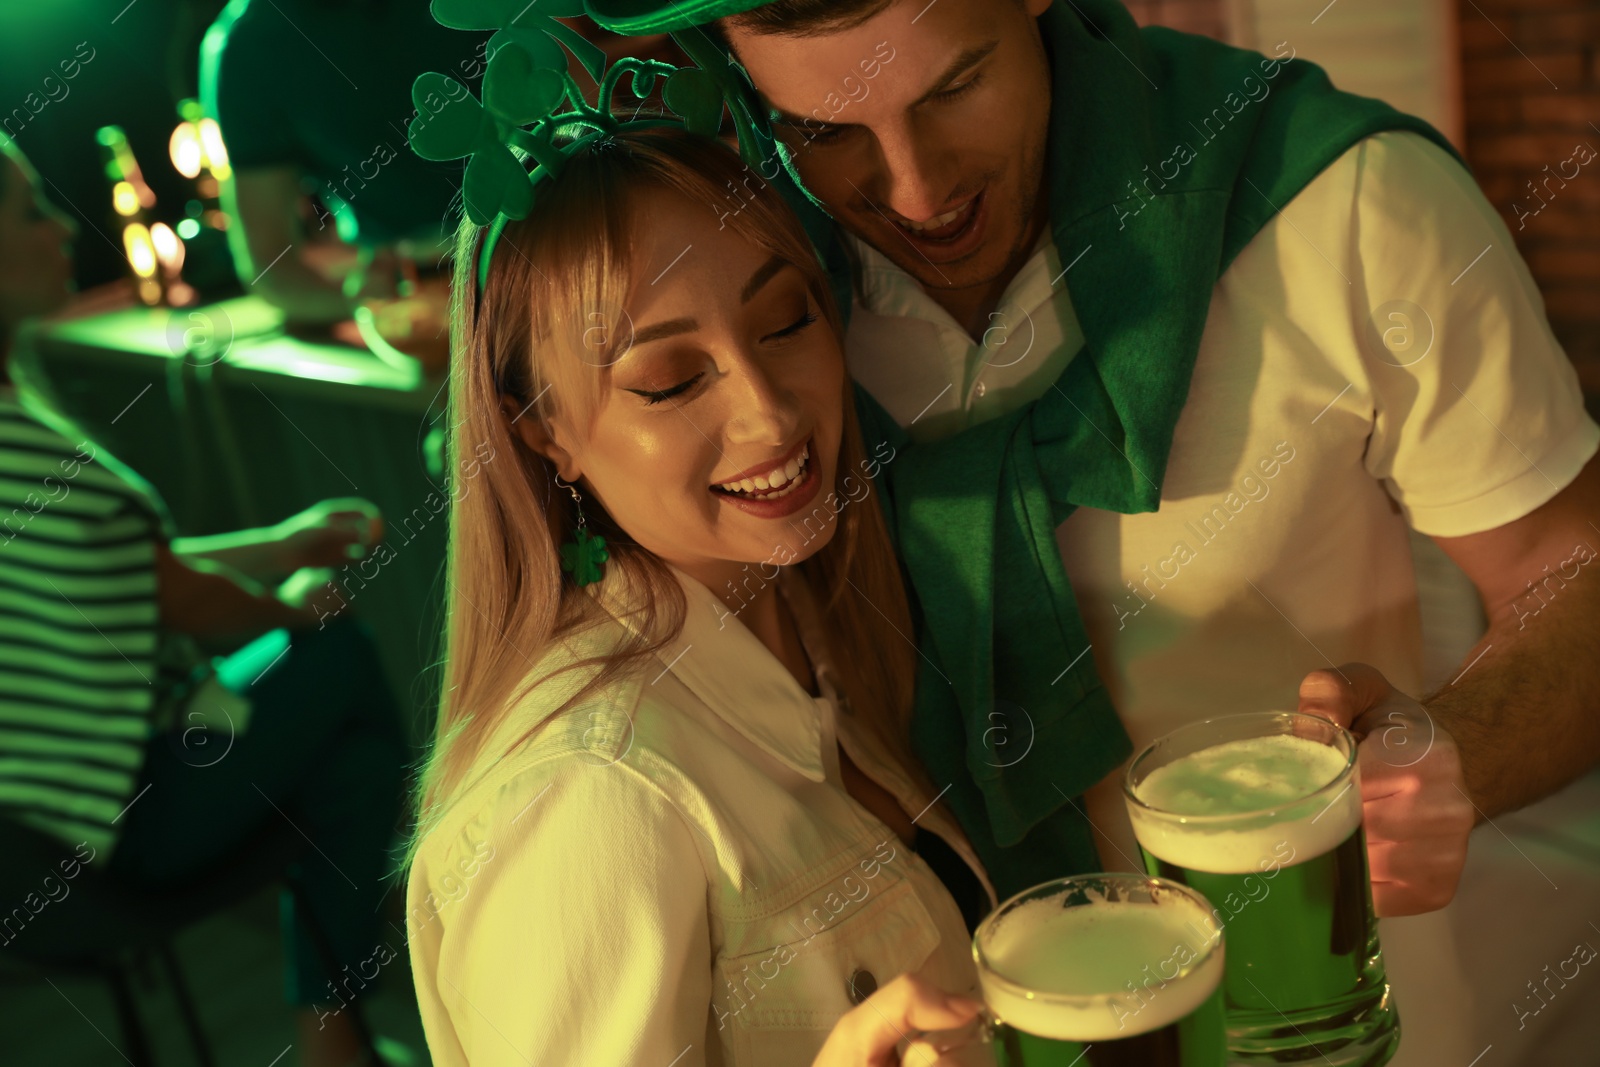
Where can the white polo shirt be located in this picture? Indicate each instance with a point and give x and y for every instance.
(673, 872)
(1377, 355)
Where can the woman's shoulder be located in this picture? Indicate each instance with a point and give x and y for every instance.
(619, 745)
(587, 787)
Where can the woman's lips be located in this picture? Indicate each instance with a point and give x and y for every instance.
(756, 478)
(804, 491)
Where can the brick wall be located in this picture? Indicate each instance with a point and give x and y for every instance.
(1530, 74)
(1531, 78)
(1209, 17)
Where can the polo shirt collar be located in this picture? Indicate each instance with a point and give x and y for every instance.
(886, 288)
(719, 660)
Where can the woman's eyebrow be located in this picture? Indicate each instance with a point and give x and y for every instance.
(672, 327)
(764, 274)
(656, 331)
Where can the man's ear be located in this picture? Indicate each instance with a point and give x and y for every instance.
(527, 426)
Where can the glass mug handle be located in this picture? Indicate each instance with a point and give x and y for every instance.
(968, 1045)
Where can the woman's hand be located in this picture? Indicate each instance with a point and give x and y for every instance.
(908, 1007)
(329, 534)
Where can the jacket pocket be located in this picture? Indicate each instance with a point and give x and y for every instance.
(775, 1007)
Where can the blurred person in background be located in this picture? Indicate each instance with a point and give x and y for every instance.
(314, 96)
(108, 688)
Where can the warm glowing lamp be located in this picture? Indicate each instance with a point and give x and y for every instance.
(185, 149)
(216, 152)
(169, 250)
(124, 199)
(141, 250)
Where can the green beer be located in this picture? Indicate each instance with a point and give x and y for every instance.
(1261, 813)
(1103, 970)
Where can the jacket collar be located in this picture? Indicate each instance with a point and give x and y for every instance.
(719, 660)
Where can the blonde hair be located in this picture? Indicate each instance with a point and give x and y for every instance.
(552, 276)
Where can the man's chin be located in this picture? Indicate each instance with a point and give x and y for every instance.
(982, 266)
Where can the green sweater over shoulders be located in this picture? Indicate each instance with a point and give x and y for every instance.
(1168, 152)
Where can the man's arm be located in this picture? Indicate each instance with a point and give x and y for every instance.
(330, 533)
(220, 607)
(1516, 723)
(256, 553)
(1525, 709)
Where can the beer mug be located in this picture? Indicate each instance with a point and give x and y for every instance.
(1102, 970)
(1261, 813)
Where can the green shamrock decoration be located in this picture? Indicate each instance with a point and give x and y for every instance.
(524, 86)
(533, 26)
(584, 557)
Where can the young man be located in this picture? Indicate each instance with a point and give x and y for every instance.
(1374, 355)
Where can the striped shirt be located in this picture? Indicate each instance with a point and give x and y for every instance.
(79, 641)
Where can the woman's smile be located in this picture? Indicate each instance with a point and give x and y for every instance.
(774, 489)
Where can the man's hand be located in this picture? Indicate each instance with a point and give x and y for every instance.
(313, 589)
(1415, 806)
(329, 534)
(219, 606)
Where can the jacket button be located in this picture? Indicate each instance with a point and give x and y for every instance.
(862, 985)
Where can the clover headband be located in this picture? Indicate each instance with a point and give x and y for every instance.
(524, 88)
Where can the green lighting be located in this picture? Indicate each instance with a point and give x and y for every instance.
(188, 228)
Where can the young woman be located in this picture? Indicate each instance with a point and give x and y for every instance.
(670, 815)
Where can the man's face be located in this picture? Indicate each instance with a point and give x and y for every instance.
(922, 130)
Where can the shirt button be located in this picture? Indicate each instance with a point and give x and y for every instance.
(862, 985)
(979, 389)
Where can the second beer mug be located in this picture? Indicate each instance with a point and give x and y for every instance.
(1262, 814)
(1103, 970)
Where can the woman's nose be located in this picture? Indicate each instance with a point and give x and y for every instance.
(763, 411)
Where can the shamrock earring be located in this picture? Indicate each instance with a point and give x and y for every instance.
(585, 554)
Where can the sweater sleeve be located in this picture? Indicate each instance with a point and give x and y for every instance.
(566, 924)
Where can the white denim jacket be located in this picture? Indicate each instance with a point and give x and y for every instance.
(673, 874)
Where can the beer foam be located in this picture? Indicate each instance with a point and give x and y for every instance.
(1236, 778)
(1128, 968)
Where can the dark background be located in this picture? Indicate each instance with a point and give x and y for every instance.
(146, 59)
